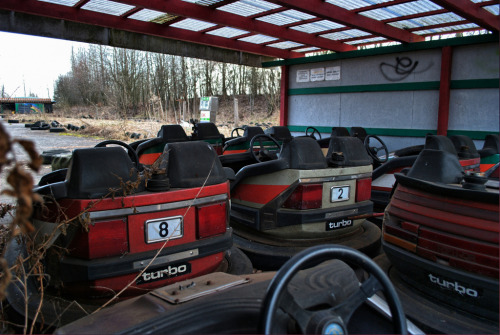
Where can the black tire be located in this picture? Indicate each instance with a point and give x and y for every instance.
(48, 155)
(238, 262)
(57, 130)
(13, 121)
(28, 125)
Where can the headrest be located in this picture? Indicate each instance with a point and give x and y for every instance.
(303, 153)
(359, 132)
(439, 142)
(464, 146)
(339, 131)
(491, 141)
(206, 130)
(347, 151)
(250, 132)
(280, 133)
(172, 133)
(437, 166)
(192, 164)
(94, 171)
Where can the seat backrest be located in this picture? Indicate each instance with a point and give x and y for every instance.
(437, 166)
(303, 153)
(94, 171)
(205, 130)
(192, 164)
(347, 151)
(491, 142)
(243, 142)
(439, 142)
(250, 132)
(280, 133)
(172, 133)
(149, 151)
(359, 132)
(464, 146)
(339, 131)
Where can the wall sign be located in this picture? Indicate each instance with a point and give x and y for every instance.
(303, 76)
(333, 73)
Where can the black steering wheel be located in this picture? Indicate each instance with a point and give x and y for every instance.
(264, 151)
(314, 131)
(130, 151)
(373, 151)
(237, 130)
(332, 319)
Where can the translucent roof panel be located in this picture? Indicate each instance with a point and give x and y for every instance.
(493, 9)
(355, 4)
(285, 45)
(284, 18)
(193, 25)
(148, 15)
(204, 2)
(343, 35)
(304, 50)
(318, 26)
(248, 7)
(404, 9)
(69, 3)
(228, 32)
(447, 29)
(367, 40)
(258, 39)
(107, 7)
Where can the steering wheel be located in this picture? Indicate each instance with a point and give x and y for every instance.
(237, 131)
(130, 151)
(373, 151)
(314, 131)
(263, 151)
(333, 319)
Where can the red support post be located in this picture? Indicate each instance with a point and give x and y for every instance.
(444, 91)
(284, 96)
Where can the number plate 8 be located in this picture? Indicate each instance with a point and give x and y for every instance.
(164, 229)
(339, 193)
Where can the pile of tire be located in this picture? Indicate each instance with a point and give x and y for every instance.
(38, 125)
(70, 126)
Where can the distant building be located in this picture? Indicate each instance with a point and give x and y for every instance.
(28, 105)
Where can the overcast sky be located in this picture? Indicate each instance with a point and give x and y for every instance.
(33, 63)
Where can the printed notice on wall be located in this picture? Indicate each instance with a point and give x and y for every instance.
(303, 76)
(318, 74)
(333, 73)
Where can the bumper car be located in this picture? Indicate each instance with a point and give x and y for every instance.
(105, 228)
(292, 197)
(315, 292)
(440, 237)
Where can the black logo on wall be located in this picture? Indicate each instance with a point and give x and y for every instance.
(403, 67)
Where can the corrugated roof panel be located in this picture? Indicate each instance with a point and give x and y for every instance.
(107, 7)
(493, 9)
(258, 39)
(318, 26)
(405, 24)
(355, 4)
(286, 17)
(227, 32)
(304, 50)
(437, 19)
(367, 40)
(204, 2)
(285, 45)
(380, 14)
(414, 7)
(342, 35)
(248, 7)
(69, 3)
(148, 15)
(449, 29)
(193, 24)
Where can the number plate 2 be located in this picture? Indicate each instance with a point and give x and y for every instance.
(339, 193)
(164, 229)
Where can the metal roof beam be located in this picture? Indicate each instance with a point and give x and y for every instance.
(338, 14)
(110, 21)
(470, 11)
(37, 25)
(204, 13)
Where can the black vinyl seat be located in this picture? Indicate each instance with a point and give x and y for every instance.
(248, 134)
(279, 133)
